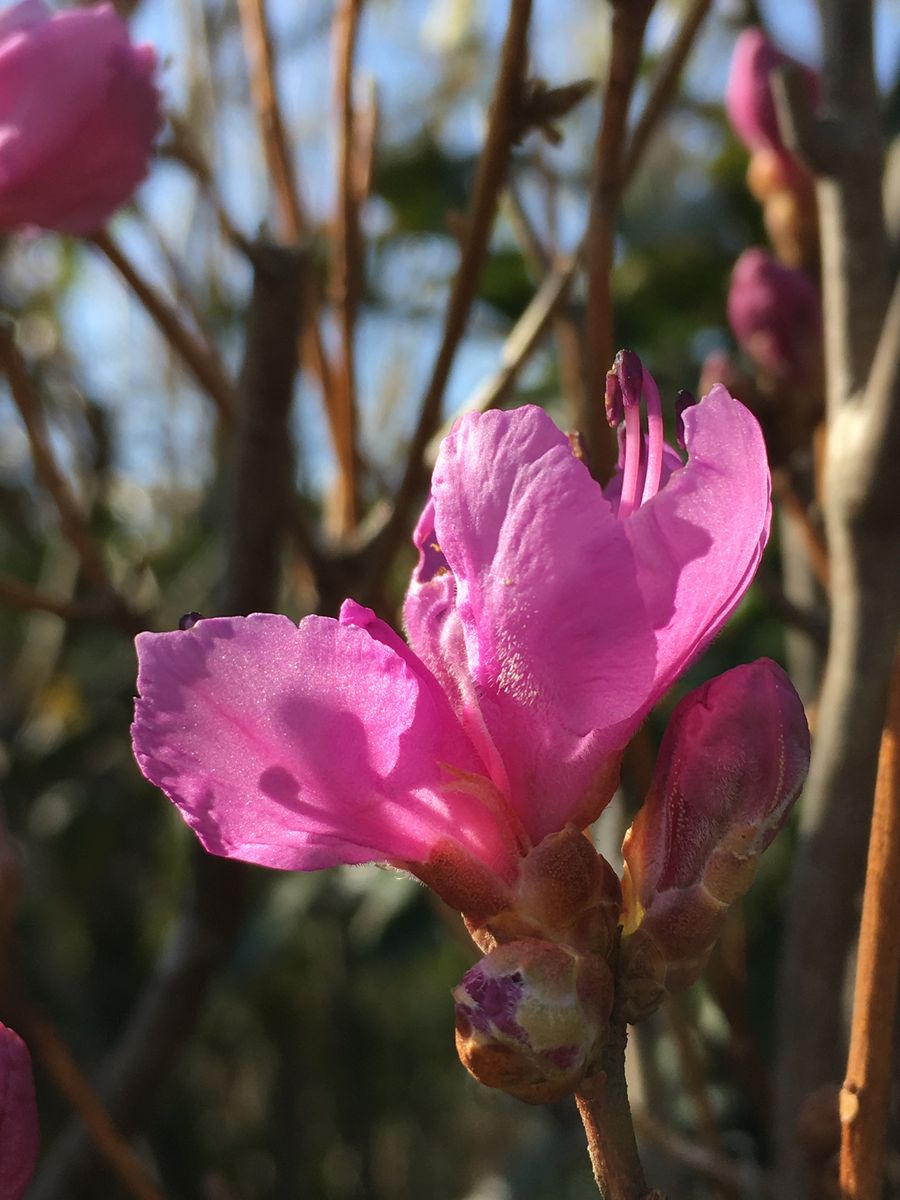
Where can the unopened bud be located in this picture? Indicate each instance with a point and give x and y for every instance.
(530, 1018)
(731, 764)
(775, 312)
(565, 892)
(749, 101)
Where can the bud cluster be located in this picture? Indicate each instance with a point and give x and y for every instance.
(572, 949)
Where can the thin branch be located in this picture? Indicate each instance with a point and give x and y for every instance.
(540, 259)
(348, 258)
(602, 1101)
(491, 174)
(664, 86)
(798, 510)
(59, 1064)
(520, 344)
(199, 357)
(629, 20)
(866, 1091)
(743, 1178)
(862, 520)
(100, 612)
(291, 223)
(71, 518)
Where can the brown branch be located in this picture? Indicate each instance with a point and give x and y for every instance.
(629, 20)
(291, 222)
(199, 357)
(59, 1064)
(518, 347)
(71, 518)
(490, 176)
(862, 519)
(602, 1101)
(566, 334)
(866, 1091)
(25, 598)
(166, 1014)
(798, 512)
(664, 86)
(743, 1178)
(348, 259)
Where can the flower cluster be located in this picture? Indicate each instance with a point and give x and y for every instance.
(544, 618)
(78, 114)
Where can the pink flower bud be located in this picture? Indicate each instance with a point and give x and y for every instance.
(78, 114)
(748, 97)
(775, 312)
(731, 764)
(18, 1116)
(530, 1018)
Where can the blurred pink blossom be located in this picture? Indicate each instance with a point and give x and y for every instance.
(18, 1116)
(78, 114)
(775, 313)
(544, 619)
(749, 101)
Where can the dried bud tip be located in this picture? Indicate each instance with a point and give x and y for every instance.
(615, 408)
(630, 372)
(530, 1017)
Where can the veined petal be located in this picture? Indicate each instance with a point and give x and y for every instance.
(303, 747)
(557, 641)
(698, 542)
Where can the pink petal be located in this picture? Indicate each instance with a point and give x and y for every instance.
(78, 114)
(306, 747)
(698, 542)
(19, 17)
(559, 649)
(18, 1116)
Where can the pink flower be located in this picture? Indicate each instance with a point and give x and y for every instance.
(18, 1116)
(78, 114)
(775, 313)
(544, 620)
(749, 101)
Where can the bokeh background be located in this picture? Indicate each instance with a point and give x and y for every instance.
(322, 1065)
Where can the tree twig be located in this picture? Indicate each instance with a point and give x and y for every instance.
(65, 1073)
(520, 344)
(200, 359)
(743, 1178)
(101, 612)
(865, 1095)
(862, 518)
(664, 86)
(348, 258)
(602, 1101)
(291, 222)
(629, 20)
(71, 518)
(489, 179)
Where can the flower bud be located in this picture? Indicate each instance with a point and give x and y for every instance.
(731, 764)
(565, 892)
(78, 114)
(530, 1018)
(749, 101)
(775, 312)
(18, 1116)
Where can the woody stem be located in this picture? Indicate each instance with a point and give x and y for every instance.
(603, 1105)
